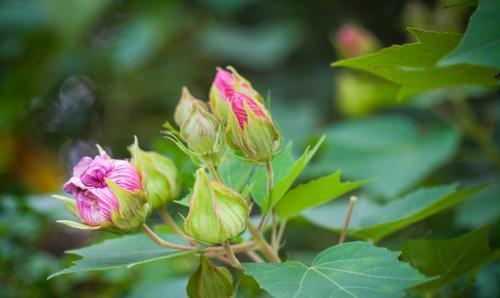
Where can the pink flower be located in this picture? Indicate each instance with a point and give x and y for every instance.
(238, 102)
(95, 202)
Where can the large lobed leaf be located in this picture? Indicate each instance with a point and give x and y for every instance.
(413, 65)
(373, 221)
(448, 259)
(286, 171)
(314, 193)
(481, 42)
(123, 252)
(355, 269)
(392, 150)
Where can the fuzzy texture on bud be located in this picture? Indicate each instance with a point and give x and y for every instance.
(216, 212)
(225, 85)
(202, 131)
(251, 131)
(108, 193)
(160, 177)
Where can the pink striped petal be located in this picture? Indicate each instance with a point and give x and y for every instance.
(238, 102)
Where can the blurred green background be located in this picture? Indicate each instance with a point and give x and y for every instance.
(77, 72)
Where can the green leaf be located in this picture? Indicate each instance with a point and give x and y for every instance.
(284, 184)
(281, 165)
(481, 42)
(373, 221)
(313, 193)
(481, 209)
(448, 259)
(236, 173)
(210, 281)
(123, 252)
(413, 65)
(355, 269)
(392, 150)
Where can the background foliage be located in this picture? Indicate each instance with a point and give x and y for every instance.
(78, 72)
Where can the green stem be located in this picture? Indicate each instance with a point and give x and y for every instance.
(213, 170)
(266, 249)
(230, 254)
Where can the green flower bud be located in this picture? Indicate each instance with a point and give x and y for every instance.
(210, 281)
(133, 210)
(202, 131)
(216, 212)
(251, 131)
(160, 177)
(184, 106)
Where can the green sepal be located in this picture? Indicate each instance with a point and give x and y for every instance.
(210, 281)
(77, 225)
(216, 212)
(68, 202)
(160, 177)
(133, 210)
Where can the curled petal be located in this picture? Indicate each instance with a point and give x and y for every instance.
(125, 175)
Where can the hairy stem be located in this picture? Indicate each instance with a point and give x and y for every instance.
(270, 178)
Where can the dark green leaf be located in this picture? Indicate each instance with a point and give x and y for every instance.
(413, 66)
(355, 269)
(482, 208)
(393, 151)
(374, 221)
(210, 281)
(481, 42)
(313, 193)
(123, 252)
(448, 259)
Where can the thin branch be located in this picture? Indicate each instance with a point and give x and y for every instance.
(230, 254)
(254, 256)
(270, 178)
(213, 170)
(171, 222)
(266, 249)
(343, 235)
(242, 247)
(281, 233)
(162, 242)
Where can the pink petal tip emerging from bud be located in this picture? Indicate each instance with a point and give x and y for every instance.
(95, 201)
(238, 102)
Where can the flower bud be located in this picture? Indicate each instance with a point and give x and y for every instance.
(251, 131)
(160, 177)
(202, 131)
(352, 41)
(216, 212)
(184, 106)
(225, 84)
(108, 194)
(210, 281)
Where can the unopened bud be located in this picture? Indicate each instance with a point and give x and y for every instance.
(225, 85)
(216, 212)
(202, 131)
(160, 177)
(352, 41)
(251, 131)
